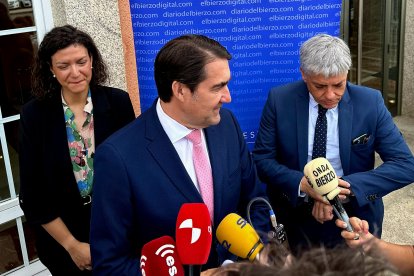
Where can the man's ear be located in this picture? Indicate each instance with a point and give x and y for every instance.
(304, 77)
(177, 89)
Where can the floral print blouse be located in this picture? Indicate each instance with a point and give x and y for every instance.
(81, 146)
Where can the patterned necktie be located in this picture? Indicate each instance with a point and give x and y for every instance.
(203, 170)
(321, 127)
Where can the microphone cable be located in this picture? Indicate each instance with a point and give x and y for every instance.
(279, 233)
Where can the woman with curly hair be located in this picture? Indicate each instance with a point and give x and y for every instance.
(70, 115)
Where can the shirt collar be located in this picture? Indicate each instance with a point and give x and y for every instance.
(175, 131)
(312, 101)
(88, 106)
(314, 104)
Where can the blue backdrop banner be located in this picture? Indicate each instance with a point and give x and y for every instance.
(263, 37)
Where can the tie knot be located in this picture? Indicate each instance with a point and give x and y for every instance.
(195, 136)
(321, 110)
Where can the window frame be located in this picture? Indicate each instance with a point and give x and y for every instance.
(9, 208)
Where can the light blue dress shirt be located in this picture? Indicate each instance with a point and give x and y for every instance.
(332, 140)
(332, 143)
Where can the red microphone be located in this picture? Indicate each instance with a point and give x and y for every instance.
(193, 234)
(158, 257)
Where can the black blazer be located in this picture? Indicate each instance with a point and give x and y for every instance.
(47, 185)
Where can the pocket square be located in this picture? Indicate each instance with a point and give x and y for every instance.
(362, 139)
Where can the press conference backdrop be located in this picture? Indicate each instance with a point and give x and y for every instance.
(263, 37)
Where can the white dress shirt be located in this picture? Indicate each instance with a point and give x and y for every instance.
(177, 133)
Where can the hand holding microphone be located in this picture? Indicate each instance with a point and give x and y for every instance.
(306, 188)
(361, 237)
(322, 178)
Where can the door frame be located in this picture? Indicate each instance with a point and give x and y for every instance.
(345, 21)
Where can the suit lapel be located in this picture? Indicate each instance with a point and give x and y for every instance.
(101, 115)
(345, 119)
(164, 153)
(302, 111)
(57, 138)
(216, 155)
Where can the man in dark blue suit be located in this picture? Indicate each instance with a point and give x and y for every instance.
(145, 172)
(358, 125)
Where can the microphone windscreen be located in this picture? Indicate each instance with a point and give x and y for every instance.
(239, 237)
(159, 257)
(193, 233)
(321, 175)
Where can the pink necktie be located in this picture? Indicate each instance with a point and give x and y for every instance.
(203, 170)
